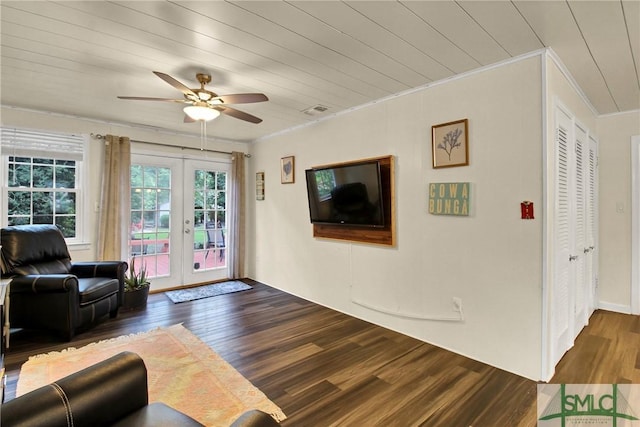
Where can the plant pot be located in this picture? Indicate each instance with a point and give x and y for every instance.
(135, 299)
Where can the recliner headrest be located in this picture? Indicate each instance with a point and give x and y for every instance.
(24, 245)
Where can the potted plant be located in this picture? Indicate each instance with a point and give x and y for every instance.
(136, 287)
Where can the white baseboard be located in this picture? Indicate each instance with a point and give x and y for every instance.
(618, 308)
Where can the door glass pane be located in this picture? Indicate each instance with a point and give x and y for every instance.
(151, 219)
(209, 220)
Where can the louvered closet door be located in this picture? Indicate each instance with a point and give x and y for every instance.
(591, 223)
(574, 232)
(560, 288)
(578, 231)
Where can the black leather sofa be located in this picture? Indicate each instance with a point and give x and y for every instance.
(48, 291)
(110, 393)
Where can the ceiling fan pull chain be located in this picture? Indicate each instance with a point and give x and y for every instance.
(203, 134)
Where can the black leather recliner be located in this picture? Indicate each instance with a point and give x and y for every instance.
(110, 393)
(47, 290)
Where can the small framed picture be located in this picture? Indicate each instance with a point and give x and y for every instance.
(287, 170)
(259, 185)
(450, 144)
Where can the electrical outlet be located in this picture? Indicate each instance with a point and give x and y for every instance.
(457, 304)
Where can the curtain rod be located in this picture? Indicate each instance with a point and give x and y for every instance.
(99, 136)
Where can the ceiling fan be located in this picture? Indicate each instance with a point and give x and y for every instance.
(203, 104)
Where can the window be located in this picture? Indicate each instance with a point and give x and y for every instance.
(41, 182)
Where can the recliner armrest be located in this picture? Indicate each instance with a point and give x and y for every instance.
(98, 395)
(255, 418)
(110, 269)
(35, 283)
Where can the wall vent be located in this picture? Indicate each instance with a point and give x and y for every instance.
(315, 110)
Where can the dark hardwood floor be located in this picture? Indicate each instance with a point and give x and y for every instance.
(324, 368)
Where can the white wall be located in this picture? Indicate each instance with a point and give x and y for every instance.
(491, 260)
(615, 134)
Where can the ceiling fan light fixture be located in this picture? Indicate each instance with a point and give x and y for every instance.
(204, 105)
(201, 112)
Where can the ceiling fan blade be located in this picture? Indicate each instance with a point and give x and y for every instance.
(175, 83)
(242, 98)
(144, 98)
(238, 114)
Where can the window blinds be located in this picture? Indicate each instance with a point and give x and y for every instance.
(30, 143)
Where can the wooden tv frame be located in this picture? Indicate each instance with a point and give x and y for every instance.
(375, 235)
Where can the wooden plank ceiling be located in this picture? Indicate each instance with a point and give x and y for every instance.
(75, 57)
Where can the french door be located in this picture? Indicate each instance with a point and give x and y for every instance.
(205, 221)
(179, 219)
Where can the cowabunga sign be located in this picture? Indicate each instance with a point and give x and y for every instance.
(576, 405)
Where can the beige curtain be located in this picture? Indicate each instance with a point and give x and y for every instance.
(115, 199)
(237, 204)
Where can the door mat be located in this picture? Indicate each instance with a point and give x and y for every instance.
(206, 291)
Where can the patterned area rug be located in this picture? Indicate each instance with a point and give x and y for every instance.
(183, 372)
(206, 291)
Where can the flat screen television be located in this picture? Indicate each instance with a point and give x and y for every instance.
(349, 194)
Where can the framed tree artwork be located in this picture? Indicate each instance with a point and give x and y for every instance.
(450, 144)
(287, 171)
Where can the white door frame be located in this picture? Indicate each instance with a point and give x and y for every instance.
(635, 224)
